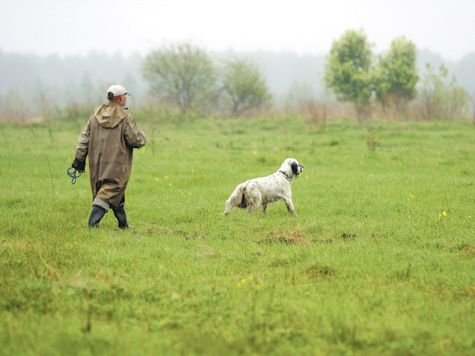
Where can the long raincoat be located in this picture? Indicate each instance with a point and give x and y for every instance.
(108, 139)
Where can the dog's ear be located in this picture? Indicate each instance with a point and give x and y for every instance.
(295, 168)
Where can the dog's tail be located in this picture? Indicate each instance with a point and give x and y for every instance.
(237, 199)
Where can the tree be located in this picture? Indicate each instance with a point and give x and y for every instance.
(243, 87)
(347, 69)
(181, 74)
(395, 76)
(441, 98)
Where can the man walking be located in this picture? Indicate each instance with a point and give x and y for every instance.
(108, 139)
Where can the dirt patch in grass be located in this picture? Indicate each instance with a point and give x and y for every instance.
(284, 237)
(179, 232)
(289, 238)
(318, 271)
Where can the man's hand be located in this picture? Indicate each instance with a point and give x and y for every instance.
(80, 166)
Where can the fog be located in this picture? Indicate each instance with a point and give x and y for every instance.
(67, 27)
(73, 50)
(79, 79)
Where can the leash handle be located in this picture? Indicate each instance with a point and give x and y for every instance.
(74, 174)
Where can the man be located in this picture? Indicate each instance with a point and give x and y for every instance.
(108, 139)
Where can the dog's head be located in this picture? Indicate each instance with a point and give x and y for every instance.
(291, 168)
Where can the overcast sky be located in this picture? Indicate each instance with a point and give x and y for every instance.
(78, 27)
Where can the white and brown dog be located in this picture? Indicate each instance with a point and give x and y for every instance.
(265, 190)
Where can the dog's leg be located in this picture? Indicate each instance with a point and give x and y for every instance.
(264, 208)
(254, 202)
(290, 206)
(253, 207)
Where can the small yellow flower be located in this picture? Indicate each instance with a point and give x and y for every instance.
(243, 281)
(156, 178)
(440, 215)
(409, 216)
(254, 152)
(411, 196)
(166, 177)
(444, 213)
(192, 170)
(250, 278)
(470, 216)
(189, 193)
(169, 184)
(306, 176)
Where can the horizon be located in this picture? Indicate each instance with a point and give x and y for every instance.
(245, 52)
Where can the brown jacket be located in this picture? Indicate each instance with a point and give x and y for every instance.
(108, 139)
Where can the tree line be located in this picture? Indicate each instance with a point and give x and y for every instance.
(185, 77)
(357, 76)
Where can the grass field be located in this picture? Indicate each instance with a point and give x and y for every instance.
(378, 261)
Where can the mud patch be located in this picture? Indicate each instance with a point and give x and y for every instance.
(284, 237)
(319, 271)
(179, 232)
(326, 241)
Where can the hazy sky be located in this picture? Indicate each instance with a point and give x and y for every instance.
(78, 27)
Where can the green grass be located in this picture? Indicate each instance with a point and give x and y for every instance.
(378, 261)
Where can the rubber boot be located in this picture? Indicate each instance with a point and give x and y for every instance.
(121, 218)
(96, 215)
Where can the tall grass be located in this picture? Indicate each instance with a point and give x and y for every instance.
(379, 259)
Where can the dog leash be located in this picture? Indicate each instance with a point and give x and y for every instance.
(74, 175)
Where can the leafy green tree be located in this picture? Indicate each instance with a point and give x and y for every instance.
(347, 69)
(395, 76)
(442, 97)
(181, 74)
(244, 88)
